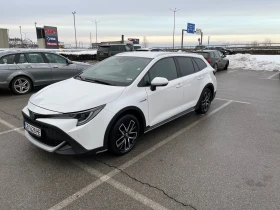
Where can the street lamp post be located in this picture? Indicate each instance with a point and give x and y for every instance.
(96, 30)
(174, 11)
(74, 13)
(20, 34)
(24, 35)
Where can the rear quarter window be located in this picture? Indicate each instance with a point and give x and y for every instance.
(7, 59)
(200, 63)
(104, 49)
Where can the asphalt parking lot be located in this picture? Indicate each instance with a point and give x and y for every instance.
(227, 159)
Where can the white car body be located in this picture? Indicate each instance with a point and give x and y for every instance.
(155, 108)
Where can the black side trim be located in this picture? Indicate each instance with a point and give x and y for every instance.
(149, 128)
(109, 128)
(72, 146)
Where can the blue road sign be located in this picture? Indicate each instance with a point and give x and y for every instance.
(191, 28)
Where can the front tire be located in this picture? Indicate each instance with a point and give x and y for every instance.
(205, 101)
(21, 85)
(124, 134)
(226, 67)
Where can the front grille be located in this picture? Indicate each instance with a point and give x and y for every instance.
(50, 136)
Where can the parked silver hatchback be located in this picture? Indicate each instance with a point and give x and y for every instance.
(20, 71)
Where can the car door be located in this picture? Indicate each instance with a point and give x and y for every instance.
(7, 65)
(224, 60)
(61, 69)
(190, 81)
(34, 64)
(219, 60)
(166, 101)
(202, 77)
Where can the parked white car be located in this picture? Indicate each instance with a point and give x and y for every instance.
(109, 105)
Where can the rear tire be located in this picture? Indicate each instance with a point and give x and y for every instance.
(21, 85)
(205, 101)
(124, 135)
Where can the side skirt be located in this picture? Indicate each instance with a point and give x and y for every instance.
(149, 128)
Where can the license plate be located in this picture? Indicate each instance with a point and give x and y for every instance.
(32, 129)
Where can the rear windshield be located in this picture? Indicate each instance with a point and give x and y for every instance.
(104, 49)
(204, 54)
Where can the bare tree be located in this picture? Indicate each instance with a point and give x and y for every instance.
(267, 42)
(145, 42)
(255, 43)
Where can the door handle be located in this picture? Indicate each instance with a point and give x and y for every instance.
(200, 78)
(179, 85)
(55, 66)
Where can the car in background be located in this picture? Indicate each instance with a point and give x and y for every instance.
(136, 47)
(199, 47)
(108, 50)
(150, 50)
(221, 49)
(20, 71)
(215, 58)
(115, 101)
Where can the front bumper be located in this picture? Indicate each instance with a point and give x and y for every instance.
(64, 137)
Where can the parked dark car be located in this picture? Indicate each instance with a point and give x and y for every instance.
(108, 50)
(215, 58)
(222, 50)
(150, 50)
(20, 71)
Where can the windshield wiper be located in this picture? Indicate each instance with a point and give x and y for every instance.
(97, 81)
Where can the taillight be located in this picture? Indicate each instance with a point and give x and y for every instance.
(208, 60)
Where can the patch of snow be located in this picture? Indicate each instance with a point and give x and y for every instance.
(254, 62)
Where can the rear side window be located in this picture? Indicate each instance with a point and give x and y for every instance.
(22, 59)
(212, 55)
(164, 68)
(121, 48)
(201, 64)
(34, 58)
(185, 65)
(204, 54)
(8, 59)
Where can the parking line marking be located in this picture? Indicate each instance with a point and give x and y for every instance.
(241, 102)
(272, 76)
(11, 126)
(114, 172)
(9, 131)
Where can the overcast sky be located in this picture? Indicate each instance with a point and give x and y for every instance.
(224, 20)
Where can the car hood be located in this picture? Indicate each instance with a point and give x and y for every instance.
(74, 95)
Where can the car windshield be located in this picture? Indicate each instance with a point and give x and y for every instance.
(204, 54)
(117, 70)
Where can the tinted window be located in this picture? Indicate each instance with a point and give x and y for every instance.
(8, 59)
(122, 48)
(145, 81)
(201, 64)
(204, 54)
(185, 65)
(104, 48)
(164, 68)
(217, 55)
(195, 66)
(212, 55)
(22, 59)
(55, 58)
(34, 58)
(155, 50)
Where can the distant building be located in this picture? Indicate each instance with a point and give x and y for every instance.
(4, 38)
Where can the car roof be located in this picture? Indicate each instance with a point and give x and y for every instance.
(108, 45)
(144, 54)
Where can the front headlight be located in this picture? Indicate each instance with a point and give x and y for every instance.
(83, 117)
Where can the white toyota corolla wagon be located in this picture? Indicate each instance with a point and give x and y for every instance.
(109, 105)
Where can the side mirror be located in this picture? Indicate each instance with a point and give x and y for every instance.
(69, 62)
(158, 82)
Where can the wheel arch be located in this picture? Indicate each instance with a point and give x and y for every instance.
(137, 112)
(21, 75)
(212, 89)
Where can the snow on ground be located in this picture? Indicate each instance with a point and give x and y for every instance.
(87, 52)
(254, 62)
